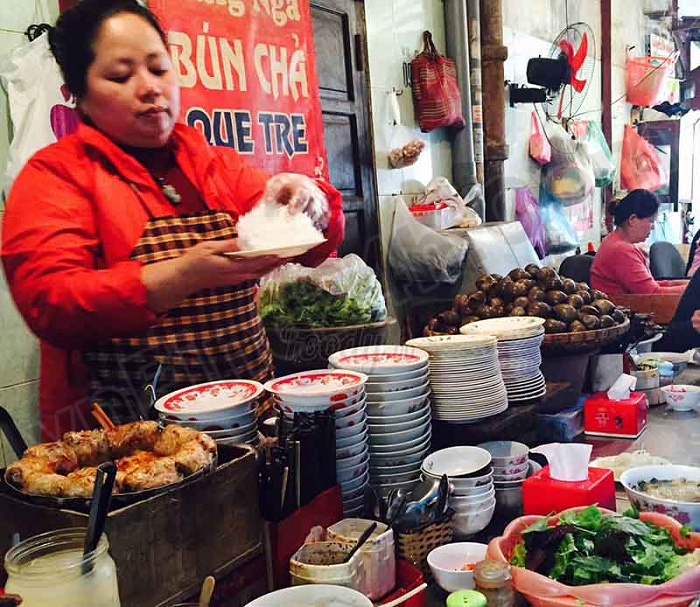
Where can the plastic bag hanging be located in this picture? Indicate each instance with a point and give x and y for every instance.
(405, 149)
(640, 167)
(540, 150)
(601, 156)
(569, 176)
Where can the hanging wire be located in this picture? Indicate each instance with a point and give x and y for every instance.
(36, 30)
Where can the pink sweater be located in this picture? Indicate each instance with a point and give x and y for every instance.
(621, 267)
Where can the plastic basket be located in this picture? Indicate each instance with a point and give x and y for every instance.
(414, 547)
(647, 77)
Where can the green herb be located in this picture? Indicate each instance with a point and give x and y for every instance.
(588, 547)
(304, 303)
(686, 530)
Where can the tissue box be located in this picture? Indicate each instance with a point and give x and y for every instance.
(543, 494)
(615, 418)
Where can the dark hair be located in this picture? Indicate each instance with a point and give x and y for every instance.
(641, 203)
(72, 37)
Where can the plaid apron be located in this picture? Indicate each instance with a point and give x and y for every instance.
(213, 334)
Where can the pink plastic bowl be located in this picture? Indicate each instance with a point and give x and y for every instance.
(542, 591)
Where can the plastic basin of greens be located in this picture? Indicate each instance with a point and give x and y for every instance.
(543, 591)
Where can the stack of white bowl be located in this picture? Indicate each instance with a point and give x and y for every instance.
(519, 354)
(465, 379)
(511, 466)
(225, 410)
(469, 472)
(344, 393)
(398, 409)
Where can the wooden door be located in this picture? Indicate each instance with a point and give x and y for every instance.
(339, 37)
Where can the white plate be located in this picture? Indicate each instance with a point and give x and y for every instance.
(380, 359)
(439, 343)
(323, 384)
(209, 400)
(511, 327)
(283, 252)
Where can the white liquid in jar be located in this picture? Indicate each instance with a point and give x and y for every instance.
(98, 588)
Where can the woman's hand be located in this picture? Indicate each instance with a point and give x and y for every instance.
(301, 194)
(203, 266)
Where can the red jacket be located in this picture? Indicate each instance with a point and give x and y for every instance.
(70, 224)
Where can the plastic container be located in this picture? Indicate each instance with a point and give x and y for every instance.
(378, 554)
(408, 578)
(321, 563)
(542, 591)
(665, 369)
(467, 598)
(48, 570)
(647, 77)
(562, 427)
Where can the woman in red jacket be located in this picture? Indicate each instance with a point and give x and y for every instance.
(112, 237)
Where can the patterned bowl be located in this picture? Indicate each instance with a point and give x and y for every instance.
(683, 512)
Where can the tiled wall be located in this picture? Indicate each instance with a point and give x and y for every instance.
(394, 34)
(529, 28)
(19, 355)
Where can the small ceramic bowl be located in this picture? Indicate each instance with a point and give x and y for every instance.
(446, 564)
(682, 397)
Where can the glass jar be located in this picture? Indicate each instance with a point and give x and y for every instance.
(493, 580)
(49, 570)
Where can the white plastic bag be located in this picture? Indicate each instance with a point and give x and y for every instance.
(339, 292)
(569, 176)
(40, 105)
(441, 192)
(418, 254)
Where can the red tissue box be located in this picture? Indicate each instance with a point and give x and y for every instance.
(544, 495)
(615, 418)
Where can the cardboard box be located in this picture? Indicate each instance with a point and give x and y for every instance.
(165, 546)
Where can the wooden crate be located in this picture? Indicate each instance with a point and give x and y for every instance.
(165, 546)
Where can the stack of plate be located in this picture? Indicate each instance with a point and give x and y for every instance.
(519, 355)
(225, 410)
(470, 473)
(465, 379)
(398, 409)
(344, 392)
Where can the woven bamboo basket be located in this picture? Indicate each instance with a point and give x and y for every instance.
(414, 547)
(583, 341)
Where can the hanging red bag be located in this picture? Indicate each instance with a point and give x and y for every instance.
(640, 167)
(436, 93)
(540, 150)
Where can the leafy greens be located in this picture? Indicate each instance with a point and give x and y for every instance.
(304, 303)
(588, 547)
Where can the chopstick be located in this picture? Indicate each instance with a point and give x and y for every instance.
(102, 418)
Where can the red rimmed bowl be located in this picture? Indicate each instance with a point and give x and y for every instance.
(542, 591)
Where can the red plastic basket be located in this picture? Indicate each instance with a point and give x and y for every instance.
(408, 577)
(647, 77)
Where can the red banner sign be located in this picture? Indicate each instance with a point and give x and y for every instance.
(248, 78)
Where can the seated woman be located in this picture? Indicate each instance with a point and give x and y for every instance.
(620, 266)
